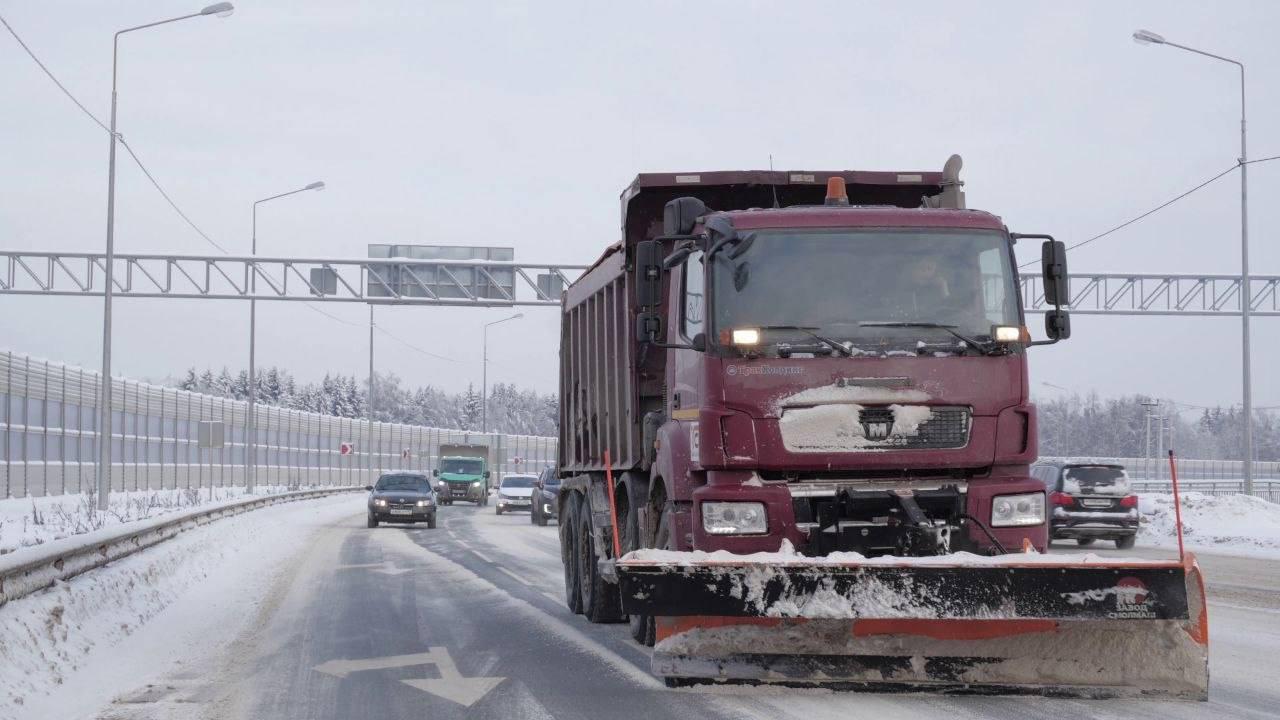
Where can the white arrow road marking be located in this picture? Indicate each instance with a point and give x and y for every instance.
(385, 567)
(451, 685)
(343, 668)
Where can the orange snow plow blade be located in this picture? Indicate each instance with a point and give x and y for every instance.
(1031, 624)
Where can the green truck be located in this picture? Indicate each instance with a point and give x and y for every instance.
(462, 473)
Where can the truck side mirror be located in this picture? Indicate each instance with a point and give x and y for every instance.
(486, 474)
(699, 342)
(435, 473)
(648, 270)
(1057, 324)
(680, 215)
(1053, 267)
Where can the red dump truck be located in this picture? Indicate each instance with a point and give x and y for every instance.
(795, 439)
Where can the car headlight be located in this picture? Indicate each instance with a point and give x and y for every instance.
(1017, 510)
(475, 484)
(424, 503)
(734, 518)
(380, 502)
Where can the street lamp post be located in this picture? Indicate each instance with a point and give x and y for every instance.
(484, 382)
(251, 421)
(1146, 37)
(221, 9)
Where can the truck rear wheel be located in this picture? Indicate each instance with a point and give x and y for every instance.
(569, 553)
(600, 600)
(1126, 541)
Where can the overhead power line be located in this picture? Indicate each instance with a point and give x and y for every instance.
(160, 189)
(1161, 206)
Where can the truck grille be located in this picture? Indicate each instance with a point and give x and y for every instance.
(947, 428)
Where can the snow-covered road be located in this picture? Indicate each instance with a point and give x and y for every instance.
(302, 612)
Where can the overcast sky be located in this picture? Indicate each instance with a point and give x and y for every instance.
(511, 124)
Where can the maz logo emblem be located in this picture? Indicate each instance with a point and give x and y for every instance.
(876, 430)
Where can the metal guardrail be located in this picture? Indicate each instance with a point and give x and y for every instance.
(19, 578)
(1265, 489)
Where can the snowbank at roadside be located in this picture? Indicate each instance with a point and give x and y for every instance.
(68, 650)
(1226, 524)
(35, 521)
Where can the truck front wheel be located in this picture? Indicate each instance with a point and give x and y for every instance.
(569, 553)
(600, 600)
(642, 626)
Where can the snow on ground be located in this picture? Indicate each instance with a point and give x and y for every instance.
(1227, 524)
(33, 521)
(65, 652)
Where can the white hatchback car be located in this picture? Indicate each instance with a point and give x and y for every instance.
(515, 493)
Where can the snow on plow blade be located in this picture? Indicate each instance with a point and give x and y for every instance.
(1017, 623)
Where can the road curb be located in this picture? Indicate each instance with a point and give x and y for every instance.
(30, 576)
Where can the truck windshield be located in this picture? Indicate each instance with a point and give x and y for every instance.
(461, 466)
(874, 288)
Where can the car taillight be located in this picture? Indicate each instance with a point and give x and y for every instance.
(1061, 498)
(1129, 501)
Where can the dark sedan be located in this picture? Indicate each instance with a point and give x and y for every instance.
(402, 498)
(544, 503)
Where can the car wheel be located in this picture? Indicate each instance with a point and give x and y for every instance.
(533, 515)
(431, 522)
(1084, 542)
(542, 520)
(1125, 542)
(372, 521)
(497, 510)
(569, 556)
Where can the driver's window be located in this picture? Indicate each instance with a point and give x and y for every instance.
(695, 281)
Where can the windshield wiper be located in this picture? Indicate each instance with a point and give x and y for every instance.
(809, 330)
(984, 348)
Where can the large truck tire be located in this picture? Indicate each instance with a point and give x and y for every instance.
(1126, 542)
(569, 553)
(600, 600)
(642, 627)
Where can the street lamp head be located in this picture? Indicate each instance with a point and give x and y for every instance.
(318, 185)
(222, 9)
(1146, 37)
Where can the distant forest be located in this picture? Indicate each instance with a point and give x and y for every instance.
(1117, 427)
(511, 410)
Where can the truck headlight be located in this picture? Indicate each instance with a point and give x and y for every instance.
(734, 518)
(1017, 510)
(475, 484)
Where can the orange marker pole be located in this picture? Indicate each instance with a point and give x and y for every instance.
(613, 506)
(1177, 503)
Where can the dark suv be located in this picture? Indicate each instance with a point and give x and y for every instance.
(402, 497)
(1089, 500)
(545, 494)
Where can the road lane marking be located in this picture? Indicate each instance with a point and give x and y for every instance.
(451, 685)
(482, 556)
(514, 576)
(385, 567)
